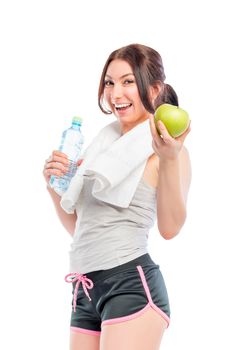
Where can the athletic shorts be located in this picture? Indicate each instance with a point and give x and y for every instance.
(117, 295)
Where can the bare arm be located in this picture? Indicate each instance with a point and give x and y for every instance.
(173, 186)
(68, 220)
(56, 164)
(174, 179)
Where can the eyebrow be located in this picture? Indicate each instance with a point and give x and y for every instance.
(123, 76)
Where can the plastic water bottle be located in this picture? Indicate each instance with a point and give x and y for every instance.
(71, 144)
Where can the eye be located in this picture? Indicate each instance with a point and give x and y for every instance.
(108, 83)
(128, 81)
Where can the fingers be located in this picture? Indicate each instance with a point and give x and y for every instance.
(56, 164)
(79, 162)
(155, 135)
(60, 154)
(56, 172)
(164, 145)
(167, 138)
(182, 137)
(164, 136)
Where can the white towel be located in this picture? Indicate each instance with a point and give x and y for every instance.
(116, 162)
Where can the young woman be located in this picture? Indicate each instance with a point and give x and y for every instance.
(120, 298)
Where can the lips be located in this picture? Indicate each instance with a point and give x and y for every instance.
(122, 106)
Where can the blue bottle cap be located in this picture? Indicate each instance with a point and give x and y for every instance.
(77, 120)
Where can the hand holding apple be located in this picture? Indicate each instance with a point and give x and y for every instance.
(175, 119)
(165, 145)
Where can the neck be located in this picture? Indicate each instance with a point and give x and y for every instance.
(125, 127)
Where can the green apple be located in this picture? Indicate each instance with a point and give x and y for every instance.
(175, 119)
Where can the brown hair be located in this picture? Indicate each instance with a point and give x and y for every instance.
(148, 70)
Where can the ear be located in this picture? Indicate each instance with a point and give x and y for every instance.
(155, 91)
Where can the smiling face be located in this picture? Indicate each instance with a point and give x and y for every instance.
(122, 95)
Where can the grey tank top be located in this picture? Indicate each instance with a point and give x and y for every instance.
(106, 235)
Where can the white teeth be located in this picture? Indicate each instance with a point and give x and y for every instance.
(122, 105)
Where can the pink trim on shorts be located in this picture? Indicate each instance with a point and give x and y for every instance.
(151, 303)
(85, 331)
(141, 312)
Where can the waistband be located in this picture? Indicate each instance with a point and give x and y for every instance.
(87, 280)
(96, 276)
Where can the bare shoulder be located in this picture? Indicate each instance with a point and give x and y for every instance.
(150, 175)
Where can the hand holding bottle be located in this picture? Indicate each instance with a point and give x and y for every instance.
(66, 158)
(57, 164)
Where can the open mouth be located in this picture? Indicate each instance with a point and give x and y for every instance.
(122, 106)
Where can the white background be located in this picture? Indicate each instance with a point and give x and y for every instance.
(52, 54)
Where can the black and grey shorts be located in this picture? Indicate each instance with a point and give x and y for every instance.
(116, 295)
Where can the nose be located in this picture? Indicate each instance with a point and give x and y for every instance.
(117, 92)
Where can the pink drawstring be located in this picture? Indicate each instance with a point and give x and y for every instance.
(86, 283)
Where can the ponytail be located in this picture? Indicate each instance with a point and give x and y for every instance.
(169, 95)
